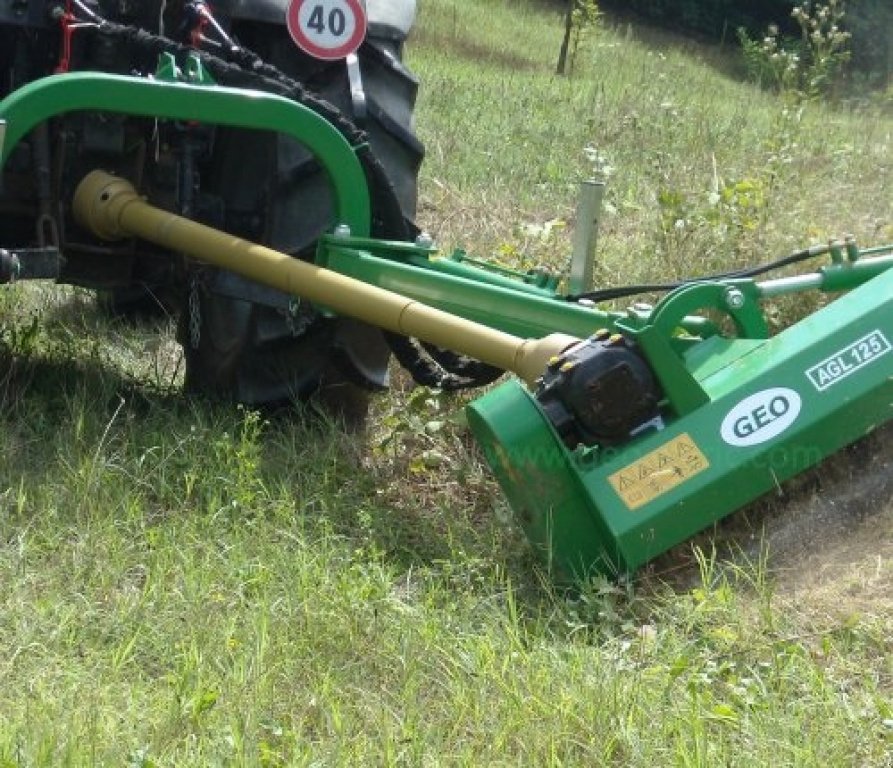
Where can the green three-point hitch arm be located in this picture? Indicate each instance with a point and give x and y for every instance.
(625, 432)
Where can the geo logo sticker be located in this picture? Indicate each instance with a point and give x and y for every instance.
(761, 417)
(848, 360)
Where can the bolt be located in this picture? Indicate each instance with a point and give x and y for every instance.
(424, 240)
(342, 230)
(588, 303)
(734, 298)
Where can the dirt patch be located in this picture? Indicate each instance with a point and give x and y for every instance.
(831, 549)
(826, 539)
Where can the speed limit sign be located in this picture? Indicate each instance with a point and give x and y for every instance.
(327, 29)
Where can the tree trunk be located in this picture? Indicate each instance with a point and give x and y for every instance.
(568, 26)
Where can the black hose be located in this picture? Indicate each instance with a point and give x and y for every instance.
(619, 292)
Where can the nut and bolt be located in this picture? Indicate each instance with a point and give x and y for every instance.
(734, 298)
(424, 240)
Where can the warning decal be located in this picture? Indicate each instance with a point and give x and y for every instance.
(658, 472)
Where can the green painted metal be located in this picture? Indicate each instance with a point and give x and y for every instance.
(510, 305)
(736, 299)
(540, 278)
(456, 264)
(513, 304)
(510, 309)
(739, 415)
(771, 408)
(56, 95)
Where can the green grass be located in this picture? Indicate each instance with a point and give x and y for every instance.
(506, 140)
(185, 583)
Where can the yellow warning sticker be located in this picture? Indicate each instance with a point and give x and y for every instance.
(658, 472)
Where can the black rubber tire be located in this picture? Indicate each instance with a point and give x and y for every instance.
(248, 349)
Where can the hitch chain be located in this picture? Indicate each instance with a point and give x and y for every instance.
(195, 313)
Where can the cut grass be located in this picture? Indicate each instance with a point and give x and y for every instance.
(185, 583)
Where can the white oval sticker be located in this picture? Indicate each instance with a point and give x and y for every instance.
(761, 416)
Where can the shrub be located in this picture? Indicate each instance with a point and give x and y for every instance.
(808, 66)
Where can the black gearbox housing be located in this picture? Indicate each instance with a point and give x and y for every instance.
(599, 391)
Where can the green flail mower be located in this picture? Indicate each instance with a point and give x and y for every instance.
(624, 433)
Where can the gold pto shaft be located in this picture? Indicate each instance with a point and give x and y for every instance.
(110, 207)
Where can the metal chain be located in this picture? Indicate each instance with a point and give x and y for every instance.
(291, 317)
(195, 314)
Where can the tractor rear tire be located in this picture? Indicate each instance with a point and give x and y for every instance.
(255, 345)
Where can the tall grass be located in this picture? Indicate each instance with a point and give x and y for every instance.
(187, 583)
(506, 140)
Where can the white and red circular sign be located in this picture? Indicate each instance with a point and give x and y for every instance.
(327, 29)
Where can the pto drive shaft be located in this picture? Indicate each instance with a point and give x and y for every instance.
(110, 207)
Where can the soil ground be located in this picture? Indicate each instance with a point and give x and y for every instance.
(831, 548)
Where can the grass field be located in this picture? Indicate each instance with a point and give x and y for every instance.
(190, 584)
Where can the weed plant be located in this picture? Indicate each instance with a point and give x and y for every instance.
(810, 67)
(184, 583)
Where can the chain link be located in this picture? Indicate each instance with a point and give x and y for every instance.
(299, 317)
(195, 314)
(291, 315)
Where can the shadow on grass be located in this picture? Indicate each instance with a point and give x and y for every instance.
(299, 460)
(722, 55)
(467, 49)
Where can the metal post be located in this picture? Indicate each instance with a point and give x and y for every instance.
(589, 209)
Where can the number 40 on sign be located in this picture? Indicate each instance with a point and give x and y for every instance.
(327, 29)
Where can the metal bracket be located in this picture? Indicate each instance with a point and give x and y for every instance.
(193, 72)
(357, 92)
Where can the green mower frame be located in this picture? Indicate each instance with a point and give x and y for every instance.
(633, 430)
